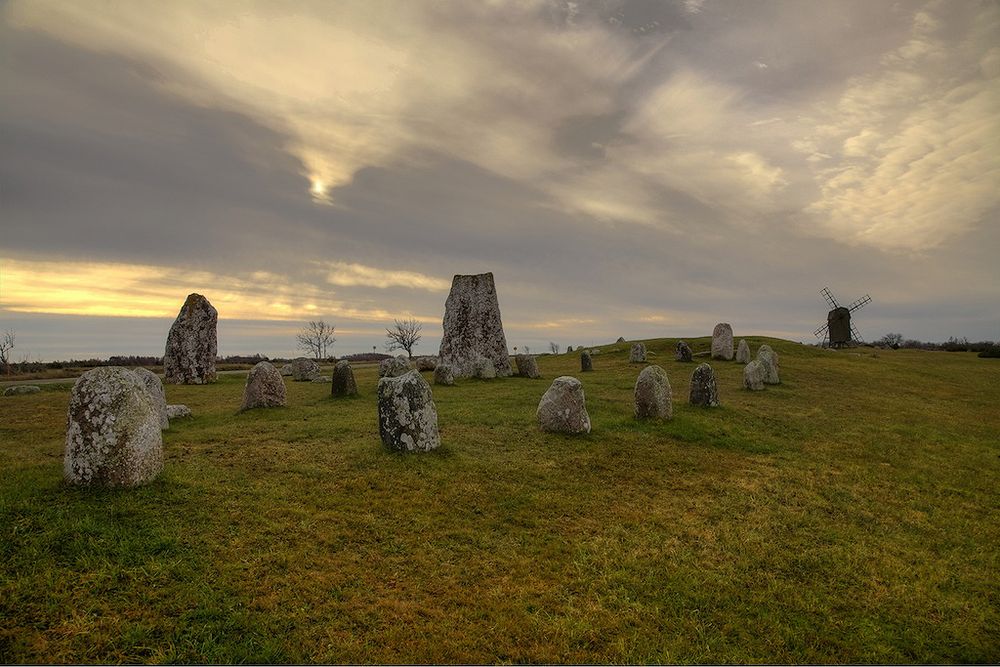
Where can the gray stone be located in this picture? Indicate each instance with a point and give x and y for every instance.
(265, 388)
(620, 340)
(178, 411)
(394, 366)
(444, 374)
(407, 416)
(305, 370)
(322, 379)
(769, 360)
(653, 397)
(483, 369)
(638, 353)
(343, 380)
(563, 407)
(286, 370)
(154, 386)
(569, 348)
(683, 352)
(753, 376)
(704, 390)
(20, 389)
(527, 366)
(113, 430)
(472, 326)
(425, 363)
(192, 343)
(722, 342)
(586, 362)
(743, 352)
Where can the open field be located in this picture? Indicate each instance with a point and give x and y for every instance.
(851, 514)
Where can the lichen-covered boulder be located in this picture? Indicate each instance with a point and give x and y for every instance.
(586, 362)
(722, 342)
(113, 430)
(265, 388)
(743, 352)
(305, 370)
(444, 374)
(154, 386)
(343, 380)
(407, 416)
(394, 366)
(704, 389)
(425, 363)
(653, 397)
(769, 360)
(178, 411)
(483, 369)
(753, 376)
(638, 353)
(527, 366)
(472, 326)
(21, 389)
(683, 352)
(286, 370)
(192, 343)
(563, 407)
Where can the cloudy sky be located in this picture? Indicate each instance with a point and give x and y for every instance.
(635, 168)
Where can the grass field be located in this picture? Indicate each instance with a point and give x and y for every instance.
(851, 514)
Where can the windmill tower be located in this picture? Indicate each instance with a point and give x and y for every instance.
(838, 328)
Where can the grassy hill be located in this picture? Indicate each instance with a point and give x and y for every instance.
(851, 514)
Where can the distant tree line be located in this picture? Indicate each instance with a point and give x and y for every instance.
(985, 348)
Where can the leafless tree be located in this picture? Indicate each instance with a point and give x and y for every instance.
(316, 338)
(404, 335)
(554, 347)
(6, 344)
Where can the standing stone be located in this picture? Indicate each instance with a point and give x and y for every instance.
(113, 430)
(653, 398)
(569, 349)
(444, 374)
(704, 390)
(305, 370)
(286, 370)
(265, 387)
(586, 362)
(178, 411)
(563, 407)
(527, 366)
(155, 388)
(638, 353)
(425, 363)
(343, 380)
(394, 366)
(683, 352)
(620, 340)
(753, 376)
(192, 343)
(483, 369)
(472, 326)
(722, 342)
(407, 416)
(769, 360)
(743, 352)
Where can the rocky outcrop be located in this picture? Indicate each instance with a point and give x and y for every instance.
(407, 416)
(563, 407)
(343, 380)
(472, 326)
(704, 389)
(653, 397)
(722, 342)
(265, 388)
(192, 343)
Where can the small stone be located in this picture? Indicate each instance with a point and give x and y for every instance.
(322, 379)
(586, 362)
(704, 390)
(154, 386)
(20, 389)
(286, 370)
(638, 353)
(769, 360)
(653, 397)
(683, 352)
(343, 380)
(527, 366)
(425, 363)
(620, 340)
(192, 343)
(563, 407)
(483, 369)
(722, 342)
(407, 416)
(178, 411)
(743, 352)
(753, 376)
(394, 366)
(305, 370)
(444, 374)
(265, 388)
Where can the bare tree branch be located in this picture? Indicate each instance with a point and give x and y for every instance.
(6, 345)
(554, 347)
(316, 338)
(404, 336)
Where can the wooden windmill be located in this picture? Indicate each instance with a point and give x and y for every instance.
(838, 328)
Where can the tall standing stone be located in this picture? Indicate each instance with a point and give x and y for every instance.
(527, 366)
(343, 380)
(722, 342)
(472, 326)
(154, 386)
(407, 416)
(563, 408)
(192, 343)
(743, 352)
(683, 352)
(637, 354)
(704, 390)
(753, 376)
(586, 362)
(265, 388)
(653, 397)
(112, 430)
(769, 360)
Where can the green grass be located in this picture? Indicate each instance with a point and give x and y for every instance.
(851, 514)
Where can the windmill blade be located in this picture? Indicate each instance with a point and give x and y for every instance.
(856, 335)
(829, 297)
(822, 331)
(863, 301)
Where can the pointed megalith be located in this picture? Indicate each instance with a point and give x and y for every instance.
(192, 343)
(472, 326)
